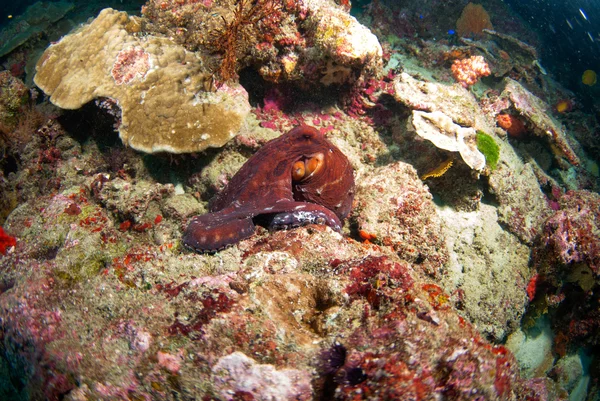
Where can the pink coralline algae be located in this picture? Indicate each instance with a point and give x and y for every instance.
(468, 71)
(243, 377)
(572, 234)
(130, 64)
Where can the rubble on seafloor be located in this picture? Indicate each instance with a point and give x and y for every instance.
(454, 277)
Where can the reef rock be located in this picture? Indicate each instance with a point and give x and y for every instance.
(535, 113)
(167, 98)
(311, 43)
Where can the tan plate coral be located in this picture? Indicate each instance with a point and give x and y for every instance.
(440, 130)
(166, 96)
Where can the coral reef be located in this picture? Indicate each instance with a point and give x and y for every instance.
(311, 42)
(14, 95)
(167, 100)
(476, 239)
(247, 20)
(467, 267)
(572, 234)
(394, 209)
(508, 56)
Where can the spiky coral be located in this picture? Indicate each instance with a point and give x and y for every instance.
(248, 19)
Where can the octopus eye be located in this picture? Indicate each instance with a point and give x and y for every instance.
(314, 164)
(306, 168)
(298, 170)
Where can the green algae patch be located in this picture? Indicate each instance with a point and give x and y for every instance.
(490, 149)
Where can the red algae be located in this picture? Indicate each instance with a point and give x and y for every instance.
(6, 241)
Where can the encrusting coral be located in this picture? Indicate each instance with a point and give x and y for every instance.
(14, 96)
(167, 98)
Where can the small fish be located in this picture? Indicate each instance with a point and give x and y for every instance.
(451, 32)
(590, 36)
(589, 78)
(569, 23)
(583, 14)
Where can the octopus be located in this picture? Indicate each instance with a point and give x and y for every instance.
(297, 179)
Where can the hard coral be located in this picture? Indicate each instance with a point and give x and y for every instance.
(165, 92)
(473, 20)
(13, 96)
(534, 112)
(444, 134)
(468, 71)
(281, 40)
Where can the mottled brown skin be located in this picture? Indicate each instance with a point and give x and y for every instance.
(269, 189)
